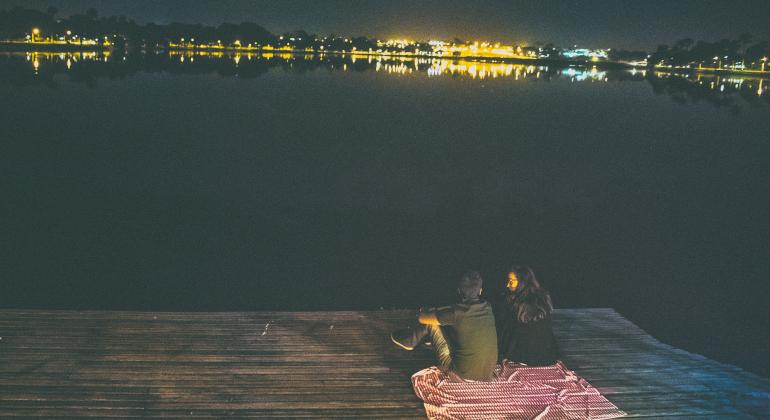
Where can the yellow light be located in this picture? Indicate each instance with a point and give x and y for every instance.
(35, 31)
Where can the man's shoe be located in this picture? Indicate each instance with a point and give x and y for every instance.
(401, 336)
(409, 338)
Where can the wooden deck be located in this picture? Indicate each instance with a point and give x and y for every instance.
(316, 364)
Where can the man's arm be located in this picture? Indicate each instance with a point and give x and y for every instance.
(428, 318)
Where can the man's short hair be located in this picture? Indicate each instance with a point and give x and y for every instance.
(469, 285)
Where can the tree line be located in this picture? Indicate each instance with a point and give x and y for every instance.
(17, 23)
(724, 52)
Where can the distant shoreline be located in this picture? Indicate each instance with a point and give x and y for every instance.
(479, 59)
(15, 46)
(712, 70)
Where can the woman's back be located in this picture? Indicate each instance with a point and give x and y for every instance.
(525, 333)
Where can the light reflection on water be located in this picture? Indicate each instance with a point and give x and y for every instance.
(195, 61)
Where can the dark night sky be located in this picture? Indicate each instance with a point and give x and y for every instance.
(597, 23)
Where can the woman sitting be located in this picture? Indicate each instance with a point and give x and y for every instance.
(524, 321)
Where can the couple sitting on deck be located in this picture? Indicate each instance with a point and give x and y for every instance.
(471, 336)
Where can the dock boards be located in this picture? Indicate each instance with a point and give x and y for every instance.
(316, 364)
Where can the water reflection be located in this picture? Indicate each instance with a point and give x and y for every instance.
(717, 89)
(43, 68)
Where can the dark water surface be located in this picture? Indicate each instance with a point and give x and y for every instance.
(217, 183)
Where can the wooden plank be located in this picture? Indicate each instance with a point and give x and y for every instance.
(341, 364)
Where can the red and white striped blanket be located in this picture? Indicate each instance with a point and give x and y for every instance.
(518, 392)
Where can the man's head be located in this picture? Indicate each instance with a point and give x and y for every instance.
(469, 286)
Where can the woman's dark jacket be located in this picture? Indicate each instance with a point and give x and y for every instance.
(531, 342)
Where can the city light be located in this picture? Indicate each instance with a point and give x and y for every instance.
(402, 47)
(390, 47)
(594, 55)
(431, 67)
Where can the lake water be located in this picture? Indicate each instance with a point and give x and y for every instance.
(211, 182)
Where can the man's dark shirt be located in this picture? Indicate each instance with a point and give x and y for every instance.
(470, 330)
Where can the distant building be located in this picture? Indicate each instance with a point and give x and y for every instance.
(586, 53)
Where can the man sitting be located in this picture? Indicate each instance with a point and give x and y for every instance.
(463, 334)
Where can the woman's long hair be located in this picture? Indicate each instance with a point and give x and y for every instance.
(529, 302)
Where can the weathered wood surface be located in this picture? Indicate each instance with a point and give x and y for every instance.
(316, 364)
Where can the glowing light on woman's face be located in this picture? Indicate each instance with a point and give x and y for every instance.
(513, 281)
